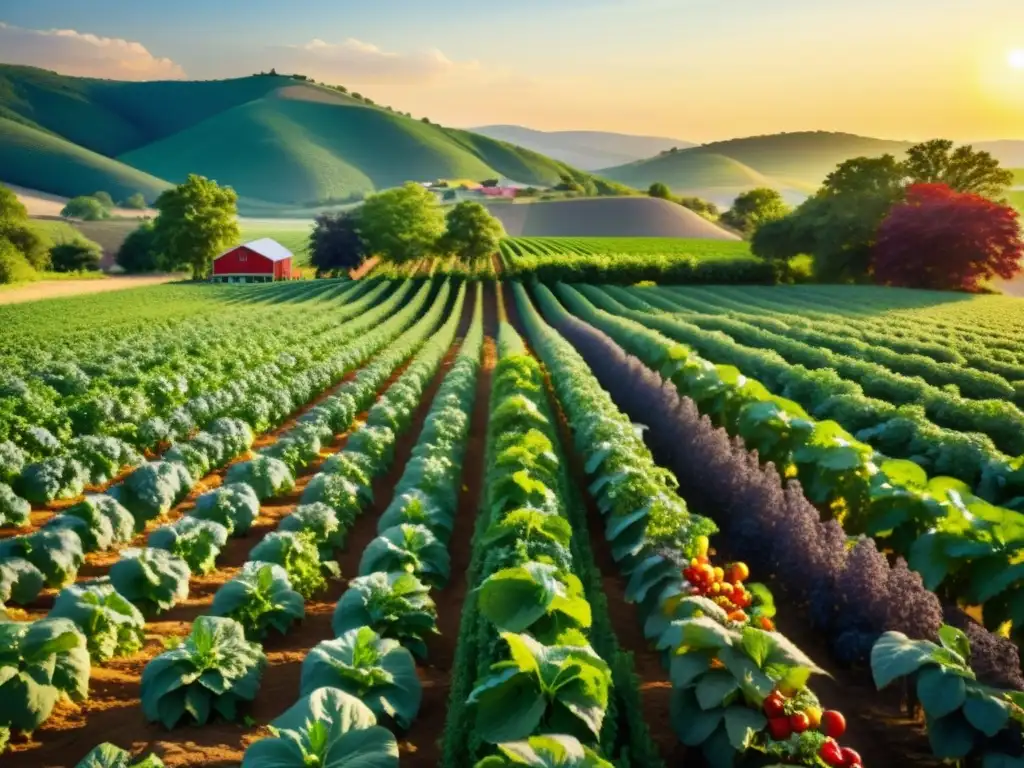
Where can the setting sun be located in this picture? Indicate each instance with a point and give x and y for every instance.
(1016, 58)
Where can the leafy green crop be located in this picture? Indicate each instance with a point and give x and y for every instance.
(91, 508)
(297, 553)
(153, 579)
(376, 670)
(210, 673)
(260, 598)
(197, 542)
(562, 688)
(395, 605)
(39, 662)
(56, 552)
(412, 548)
(153, 489)
(327, 728)
(112, 756)
(534, 597)
(14, 510)
(234, 505)
(20, 581)
(320, 520)
(112, 626)
(268, 477)
(553, 751)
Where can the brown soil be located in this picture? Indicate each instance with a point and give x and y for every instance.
(364, 269)
(114, 687)
(55, 289)
(421, 745)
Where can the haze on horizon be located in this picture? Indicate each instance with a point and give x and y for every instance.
(692, 69)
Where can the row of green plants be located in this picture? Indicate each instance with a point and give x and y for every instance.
(999, 419)
(538, 674)
(381, 619)
(740, 689)
(58, 550)
(286, 566)
(43, 468)
(964, 547)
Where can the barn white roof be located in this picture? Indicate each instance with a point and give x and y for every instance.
(265, 246)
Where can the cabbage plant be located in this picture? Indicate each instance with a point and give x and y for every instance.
(565, 687)
(395, 605)
(112, 626)
(153, 579)
(345, 496)
(234, 505)
(197, 542)
(298, 555)
(376, 670)
(93, 530)
(112, 756)
(102, 456)
(55, 477)
(548, 751)
(321, 521)
(260, 598)
(328, 728)
(20, 581)
(153, 489)
(211, 672)
(40, 662)
(94, 507)
(14, 511)
(268, 477)
(56, 552)
(412, 548)
(535, 597)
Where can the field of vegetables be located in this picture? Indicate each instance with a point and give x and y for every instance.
(472, 524)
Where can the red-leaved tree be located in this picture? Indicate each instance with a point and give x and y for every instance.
(946, 240)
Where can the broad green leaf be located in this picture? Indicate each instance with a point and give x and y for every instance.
(896, 655)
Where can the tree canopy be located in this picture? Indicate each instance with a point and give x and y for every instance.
(660, 190)
(196, 221)
(135, 201)
(13, 267)
(942, 239)
(85, 207)
(138, 252)
(105, 199)
(75, 256)
(16, 230)
(401, 224)
(472, 233)
(335, 245)
(753, 208)
(963, 169)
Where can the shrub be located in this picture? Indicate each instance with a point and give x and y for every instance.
(86, 208)
(210, 673)
(92, 508)
(319, 520)
(14, 268)
(112, 626)
(75, 256)
(139, 252)
(135, 202)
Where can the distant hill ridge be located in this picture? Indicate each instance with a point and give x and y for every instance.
(275, 139)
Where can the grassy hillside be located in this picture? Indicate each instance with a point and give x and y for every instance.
(31, 157)
(278, 141)
(688, 170)
(1018, 177)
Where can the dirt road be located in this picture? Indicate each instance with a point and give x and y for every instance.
(55, 289)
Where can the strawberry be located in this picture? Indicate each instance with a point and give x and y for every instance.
(850, 758)
(779, 728)
(799, 722)
(833, 723)
(831, 753)
(774, 705)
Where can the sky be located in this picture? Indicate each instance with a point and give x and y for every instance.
(695, 70)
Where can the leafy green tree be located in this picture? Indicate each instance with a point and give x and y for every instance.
(75, 256)
(139, 252)
(780, 241)
(489, 183)
(15, 227)
(135, 202)
(335, 245)
(105, 199)
(472, 232)
(963, 169)
(13, 266)
(705, 208)
(197, 220)
(753, 208)
(660, 190)
(84, 207)
(401, 224)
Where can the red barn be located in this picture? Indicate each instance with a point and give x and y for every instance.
(261, 261)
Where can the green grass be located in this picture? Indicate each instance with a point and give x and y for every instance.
(58, 232)
(1018, 176)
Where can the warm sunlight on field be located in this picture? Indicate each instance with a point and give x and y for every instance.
(1016, 58)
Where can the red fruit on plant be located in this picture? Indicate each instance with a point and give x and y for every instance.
(799, 722)
(831, 753)
(774, 705)
(833, 723)
(850, 758)
(779, 728)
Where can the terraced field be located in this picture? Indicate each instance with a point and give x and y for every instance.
(417, 522)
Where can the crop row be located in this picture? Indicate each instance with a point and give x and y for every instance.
(955, 540)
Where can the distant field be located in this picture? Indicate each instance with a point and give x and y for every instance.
(1018, 177)
(640, 246)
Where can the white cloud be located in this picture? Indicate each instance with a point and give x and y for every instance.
(76, 53)
(354, 62)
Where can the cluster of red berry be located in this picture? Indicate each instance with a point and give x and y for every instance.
(723, 586)
(783, 722)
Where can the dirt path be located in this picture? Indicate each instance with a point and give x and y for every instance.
(422, 746)
(58, 289)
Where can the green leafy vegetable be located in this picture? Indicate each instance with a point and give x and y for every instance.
(153, 579)
(395, 605)
(260, 598)
(297, 553)
(554, 751)
(233, 505)
(412, 548)
(197, 542)
(112, 626)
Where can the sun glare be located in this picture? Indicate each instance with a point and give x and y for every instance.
(1016, 58)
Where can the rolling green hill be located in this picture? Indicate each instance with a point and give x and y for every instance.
(277, 140)
(794, 163)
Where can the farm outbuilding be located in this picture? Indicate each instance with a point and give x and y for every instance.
(259, 261)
